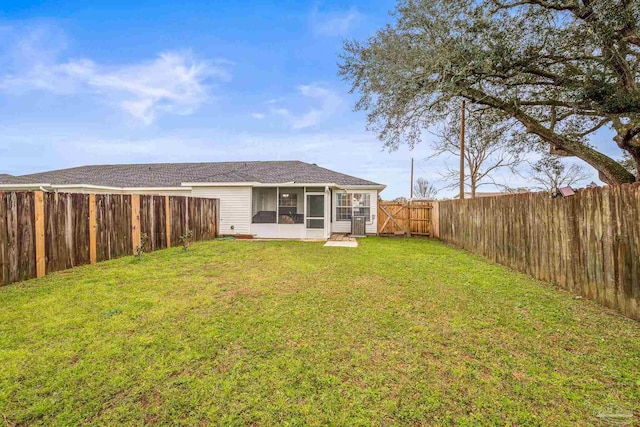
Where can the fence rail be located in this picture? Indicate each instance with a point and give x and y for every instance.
(45, 232)
(405, 218)
(588, 244)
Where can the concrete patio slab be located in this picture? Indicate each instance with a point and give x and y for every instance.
(342, 244)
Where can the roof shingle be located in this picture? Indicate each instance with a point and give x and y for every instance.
(174, 174)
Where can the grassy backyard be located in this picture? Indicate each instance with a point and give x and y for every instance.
(403, 332)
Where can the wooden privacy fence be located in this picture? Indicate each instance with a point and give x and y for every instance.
(588, 244)
(45, 232)
(405, 218)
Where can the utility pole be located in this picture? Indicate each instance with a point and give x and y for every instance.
(411, 192)
(462, 151)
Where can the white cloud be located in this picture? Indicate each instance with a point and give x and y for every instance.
(258, 116)
(334, 23)
(173, 83)
(326, 101)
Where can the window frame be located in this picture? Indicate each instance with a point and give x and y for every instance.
(352, 207)
(293, 200)
(258, 197)
(291, 206)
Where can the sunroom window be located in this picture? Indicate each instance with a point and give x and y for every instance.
(291, 206)
(264, 206)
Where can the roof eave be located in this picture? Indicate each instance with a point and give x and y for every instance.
(286, 184)
(379, 187)
(24, 186)
(106, 187)
(89, 187)
(219, 184)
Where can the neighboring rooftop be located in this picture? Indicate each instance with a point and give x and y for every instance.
(174, 174)
(7, 179)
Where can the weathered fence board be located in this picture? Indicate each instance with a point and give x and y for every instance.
(202, 218)
(4, 241)
(178, 207)
(79, 229)
(17, 236)
(113, 226)
(66, 230)
(405, 218)
(588, 244)
(153, 221)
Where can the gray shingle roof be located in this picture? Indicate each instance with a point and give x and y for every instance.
(174, 174)
(7, 179)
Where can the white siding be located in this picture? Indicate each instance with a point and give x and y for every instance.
(278, 231)
(345, 226)
(235, 207)
(316, 234)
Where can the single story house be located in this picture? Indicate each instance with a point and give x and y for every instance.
(272, 199)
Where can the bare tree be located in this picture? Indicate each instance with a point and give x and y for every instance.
(551, 173)
(423, 190)
(487, 147)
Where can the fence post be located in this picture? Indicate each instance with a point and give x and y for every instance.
(40, 249)
(167, 215)
(409, 218)
(135, 222)
(93, 229)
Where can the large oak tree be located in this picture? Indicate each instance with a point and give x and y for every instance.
(560, 69)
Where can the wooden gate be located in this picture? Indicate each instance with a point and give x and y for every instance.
(405, 219)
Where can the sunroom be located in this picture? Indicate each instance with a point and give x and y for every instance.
(295, 212)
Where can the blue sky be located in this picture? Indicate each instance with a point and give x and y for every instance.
(155, 81)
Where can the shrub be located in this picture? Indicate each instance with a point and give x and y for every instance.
(140, 250)
(186, 239)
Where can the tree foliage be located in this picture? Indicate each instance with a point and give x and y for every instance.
(628, 163)
(558, 69)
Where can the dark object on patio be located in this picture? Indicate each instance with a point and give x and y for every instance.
(264, 217)
(291, 219)
(289, 211)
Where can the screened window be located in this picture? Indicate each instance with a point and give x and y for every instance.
(264, 206)
(349, 204)
(288, 200)
(290, 206)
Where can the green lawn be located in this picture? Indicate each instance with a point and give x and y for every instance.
(404, 332)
